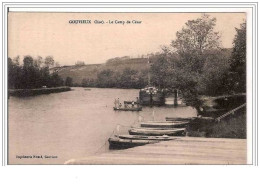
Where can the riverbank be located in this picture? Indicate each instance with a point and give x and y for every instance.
(233, 127)
(34, 92)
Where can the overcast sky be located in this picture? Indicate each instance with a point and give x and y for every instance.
(51, 34)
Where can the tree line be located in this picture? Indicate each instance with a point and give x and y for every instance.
(195, 63)
(34, 73)
(128, 78)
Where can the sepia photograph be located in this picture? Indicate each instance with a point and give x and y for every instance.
(127, 88)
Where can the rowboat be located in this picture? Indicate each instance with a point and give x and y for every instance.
(128, 109)
(118, 143)
(143, 137)
(164, 124)
(157, 132)
(179, 118)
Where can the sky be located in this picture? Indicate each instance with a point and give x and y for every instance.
(52, 34)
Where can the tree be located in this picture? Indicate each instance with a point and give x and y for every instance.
(30, 75)
(38, 61)
(57, 64)
(16, 60)
(129, 78)
(197, 35)
(11, 73)
(86, 82)
(69, 82)
(185, 64)
(49, 61)
(105, 78)
(80, 63)
(28, 61)
(55, 80)
(162, 70)
(238, 61)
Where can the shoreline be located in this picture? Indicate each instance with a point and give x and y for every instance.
(34, 92)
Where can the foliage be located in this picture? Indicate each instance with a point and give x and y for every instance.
(49, 61)
(194, 63)
(197, 36)
(106, 78)
(214, 71)
(86, 82)
(31, 74)
(162, 71)
(231, 128)
(69, 82)
(238, 61)
(128, 78)
(80, 63)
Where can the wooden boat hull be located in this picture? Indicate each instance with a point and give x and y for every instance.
(117, 143)
(157, 132)
(143, 137)
(164, 124)
(128, 109)
(179, 119)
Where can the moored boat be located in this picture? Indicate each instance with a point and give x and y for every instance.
(143, 137)
(157, 132)
(179, 118)
(118, 143)
(128, 109)
(164, 124)
(151, 96)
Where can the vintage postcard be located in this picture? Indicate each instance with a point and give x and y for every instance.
(128, 87)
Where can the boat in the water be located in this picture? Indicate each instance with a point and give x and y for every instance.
(164, 124)
(151, 96)
(128, 108)
(118, 143)
(179, 118)
(157, 132)
(143, 137)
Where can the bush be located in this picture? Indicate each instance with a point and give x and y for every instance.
(231, 128)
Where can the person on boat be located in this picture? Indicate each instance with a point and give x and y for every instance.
(133, 104)
(137, 101)
(120, 105)
(115, 102)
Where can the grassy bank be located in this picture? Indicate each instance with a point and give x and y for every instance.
(33, 92)
(234, 127)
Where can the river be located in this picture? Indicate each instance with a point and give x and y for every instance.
(51, 129)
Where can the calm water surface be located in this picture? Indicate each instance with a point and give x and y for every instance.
(73, 124)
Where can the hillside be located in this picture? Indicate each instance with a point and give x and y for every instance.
(80, 72)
